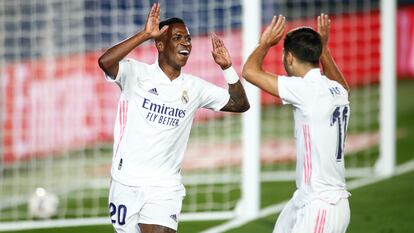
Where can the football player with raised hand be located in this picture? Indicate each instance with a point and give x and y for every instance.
(155, 113)
(321, 114)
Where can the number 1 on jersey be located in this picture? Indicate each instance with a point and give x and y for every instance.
(340, 118)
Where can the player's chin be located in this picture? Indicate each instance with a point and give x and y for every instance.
(182, 60)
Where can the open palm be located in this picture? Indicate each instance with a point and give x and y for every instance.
(324, 24)
(220, 53)
(153, 20)
(274, 32)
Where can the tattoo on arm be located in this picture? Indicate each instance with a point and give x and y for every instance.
(238, 101)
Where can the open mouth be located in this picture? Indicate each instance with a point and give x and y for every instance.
(184, 52)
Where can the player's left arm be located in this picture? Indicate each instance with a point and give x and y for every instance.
(329, 65)
(238, 101)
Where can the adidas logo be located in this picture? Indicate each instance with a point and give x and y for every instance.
(174, 217)
(153, 91)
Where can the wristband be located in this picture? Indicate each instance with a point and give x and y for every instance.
(231, 75)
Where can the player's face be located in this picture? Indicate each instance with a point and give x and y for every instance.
(177, 45)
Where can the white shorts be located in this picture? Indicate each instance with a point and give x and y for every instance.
(129, 206)
(315, 217)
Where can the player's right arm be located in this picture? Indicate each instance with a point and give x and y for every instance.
(329, 66)
(253, 70)
(109, 61)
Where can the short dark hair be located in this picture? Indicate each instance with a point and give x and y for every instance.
(170, 21)
(305, 44)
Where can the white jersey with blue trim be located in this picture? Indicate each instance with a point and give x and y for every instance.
(321, 114)
(154, 120)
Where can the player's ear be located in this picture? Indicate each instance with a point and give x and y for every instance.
(289, 58)
(160, 45)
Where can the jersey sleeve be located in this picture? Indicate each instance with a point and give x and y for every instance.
(294, 90)
(213, 97)
(128, 73)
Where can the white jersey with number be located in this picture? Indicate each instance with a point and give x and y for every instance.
(321, 113)
(154, 120)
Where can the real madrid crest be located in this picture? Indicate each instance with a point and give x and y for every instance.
(184, 97)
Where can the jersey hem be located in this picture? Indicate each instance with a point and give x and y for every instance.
(149, 182)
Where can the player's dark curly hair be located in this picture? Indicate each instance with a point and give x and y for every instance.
(170, 21)
(305, 44)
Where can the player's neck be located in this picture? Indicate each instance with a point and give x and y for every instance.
(171, 72)
(304, 69)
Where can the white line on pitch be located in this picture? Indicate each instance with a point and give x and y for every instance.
(274, 209)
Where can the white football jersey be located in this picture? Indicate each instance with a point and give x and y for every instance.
(321, 114)
(153, 122)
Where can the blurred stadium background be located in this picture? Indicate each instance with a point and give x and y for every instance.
(57, 112)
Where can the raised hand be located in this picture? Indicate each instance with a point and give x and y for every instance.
(324, 24)
(329, 65)
(153, 20)
(220, 53)
(274, 32)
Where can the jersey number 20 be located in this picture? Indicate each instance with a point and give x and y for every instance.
(121, 211)
(340, 119)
